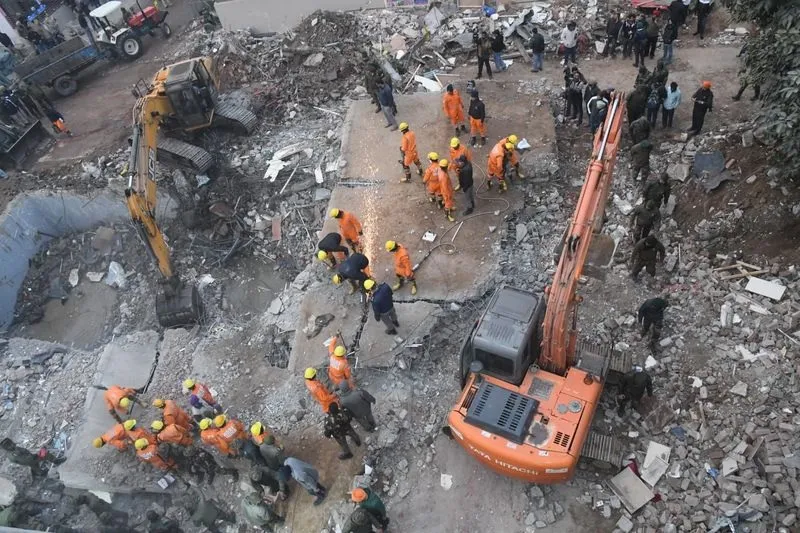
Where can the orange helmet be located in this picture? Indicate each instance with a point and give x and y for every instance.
(358, 495)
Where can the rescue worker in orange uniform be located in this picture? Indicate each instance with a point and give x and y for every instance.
(116, 437)
(349, 228)
(137, 433)
(148, 452)
(454, 109)
(457, 150)
(498, 159)
(318, 390)
(230, 431)
(513, 159)
(209, 435)
(119, 400)
(431, 177)
(408, 151)
(402, 267)
(172, 414)
(477, 120)
(171, 434)
(338, 366)
(203, 392)
(446, 189)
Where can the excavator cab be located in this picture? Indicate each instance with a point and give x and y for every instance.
(192, 94)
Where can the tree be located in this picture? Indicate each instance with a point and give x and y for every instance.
(773, 62)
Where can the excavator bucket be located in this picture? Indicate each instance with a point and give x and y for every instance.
(183, 308)
(600, 257)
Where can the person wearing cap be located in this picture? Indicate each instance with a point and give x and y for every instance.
(307, 476)
(136, 433)
(703, 100)
(337, 427)
(318, 390)
(359, 403)
(431, 177)
(148, 453)
(349, 227)
(338, 365)
(171, 433)
(360, 521)
(199, 408)
(457, 150)
(210, 436)
(465, 182)
(271, 452)
(513, 158)
(403, 270)
(354, 270)
(203, 392)
(367, 499)
(259, 513)
(408, 151)
(632, 388)
(116, 437)
(383, 305)
(119, 400)
(477, 119)
(172, 414)
(499, 159)
(330, 249)
(446, 189)
(231, 431)
(454, 108)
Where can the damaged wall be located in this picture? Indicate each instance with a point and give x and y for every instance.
(278, 16)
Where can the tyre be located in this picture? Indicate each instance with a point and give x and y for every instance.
(166, 31)
(131, 47)
(65, 86)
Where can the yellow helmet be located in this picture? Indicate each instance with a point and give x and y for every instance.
(454, 142)
(334, 213)
(390, 246)
(256, 429)
(125, 402)
(321, 255)
(444, 163)
(404, 126)
(509, 146)
(141, 444)
(220, 420)
(310, 373)
(158, 402)
(157, 425)
(337, 279)
(340, 351)
(205, 423)
(513, 139)
(369, 284)
(129, 424)
(98, 442)
(433, 156)
(188, 384)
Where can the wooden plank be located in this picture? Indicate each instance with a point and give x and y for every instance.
(729, 267)
(276, 228)
(744, 275)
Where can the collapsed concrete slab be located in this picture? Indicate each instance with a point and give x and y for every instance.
(129, 362)
(377, 349)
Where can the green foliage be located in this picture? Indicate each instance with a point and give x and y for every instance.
(773, 62)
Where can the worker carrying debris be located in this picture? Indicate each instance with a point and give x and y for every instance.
(203, 393)
(499, 157)
(171, 433)
(645, 254)
(431, 177)
(477, 119)
(118, 400)
(457, 150)
(367, 499)
(383, 305)
(337, 426)
(359, 403)
(632, 388)
(172, 414)
(402, 266)
(408, 152)
(331, 249)
(116, 437)
(338, 365)
(446, 190)
(454, 109)
(349, 228)
(354, 270)
(318, 390)
(148, 452)
(651, 317)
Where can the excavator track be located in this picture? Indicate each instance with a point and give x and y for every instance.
(235, 118)
(176, 153)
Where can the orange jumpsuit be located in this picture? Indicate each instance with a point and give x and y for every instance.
(496, 167)
(114, 394)
(455, 153)
(139, 433)
(339, 368)
(204, 393)
(232, 431)
(175, 434)
(175, 415)
(116, 437)
(453, 107)
(402, 263)
(431, 179)
(150, 455)
(211, 437)
(349, 227)
(320, 393)
(446, 188)
(514, 158)
(409, 148)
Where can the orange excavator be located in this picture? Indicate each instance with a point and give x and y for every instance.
(530, 387)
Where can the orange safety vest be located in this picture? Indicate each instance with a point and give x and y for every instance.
(204, 393)
(320, 393)
(402, 262)
(409, 147)
(349, 226)
(175, 434)
(150, 455)
(339, 370)
(175, 415)
(139, 433)
(431, 178)
(232, 431)
(502, 145)
(496, 157)
(114, 394)
(211, 437)
(116, 437)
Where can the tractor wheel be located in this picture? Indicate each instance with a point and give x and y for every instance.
(131, 47)
(65, 86)
(166, 31)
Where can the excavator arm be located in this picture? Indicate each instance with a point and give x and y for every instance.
(560, 331)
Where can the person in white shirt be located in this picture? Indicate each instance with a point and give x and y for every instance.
(671, 102)
(569, 40)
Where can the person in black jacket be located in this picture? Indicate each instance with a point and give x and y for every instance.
(477, 119)
(632, 388)
(329, 247)
(678, 12)
(669, 36)
(354, 270)
(498, 46)
(703, 103)
(465, 182)
(386, 100)
(613, 28)
(626, 35)
(537, 49)
(337, 427)
(651, 317)
(383, 305)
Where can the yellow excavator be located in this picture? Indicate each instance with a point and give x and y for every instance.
(181, 99)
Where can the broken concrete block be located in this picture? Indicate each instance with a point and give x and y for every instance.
(740, 389)
(314, 60)
(748, 138)
(679, 171)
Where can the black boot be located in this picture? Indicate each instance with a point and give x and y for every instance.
(483, 141)
(472, 141)
(458, 132)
